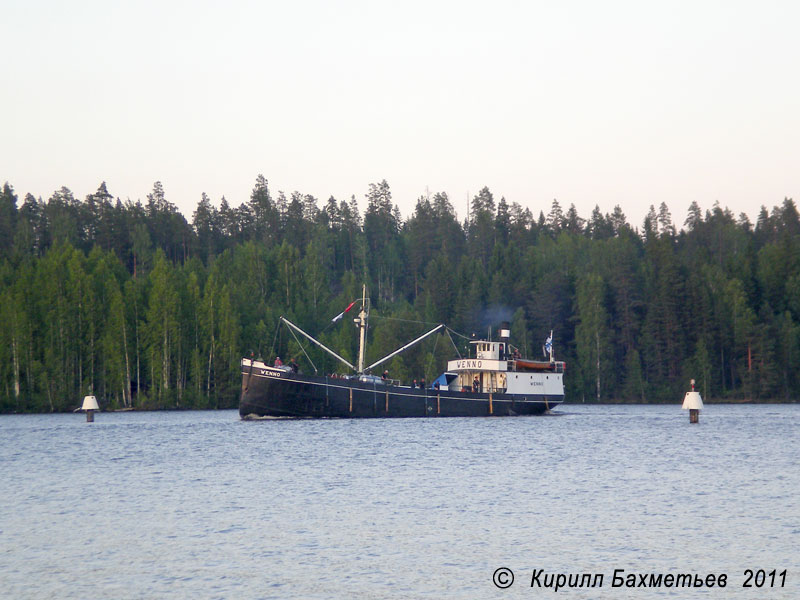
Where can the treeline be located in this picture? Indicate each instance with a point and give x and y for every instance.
(135, 304)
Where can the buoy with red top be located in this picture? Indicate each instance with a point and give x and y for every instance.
(693, 403)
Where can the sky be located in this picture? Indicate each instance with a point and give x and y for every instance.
(591, 103)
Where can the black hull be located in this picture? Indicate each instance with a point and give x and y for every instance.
(276, 393)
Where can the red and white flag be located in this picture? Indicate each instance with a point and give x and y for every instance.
(341, 314)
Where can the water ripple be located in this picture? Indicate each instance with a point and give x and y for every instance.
(203, 505)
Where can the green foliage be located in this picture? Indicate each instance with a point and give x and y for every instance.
(128, 301)
(592, 336)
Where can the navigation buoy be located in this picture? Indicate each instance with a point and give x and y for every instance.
(89, 406)
(693, 403)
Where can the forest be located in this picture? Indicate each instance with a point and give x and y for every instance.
(133, 303)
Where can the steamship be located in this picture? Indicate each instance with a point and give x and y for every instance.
(494, 380)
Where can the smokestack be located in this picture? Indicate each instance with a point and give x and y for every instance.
(505, 331)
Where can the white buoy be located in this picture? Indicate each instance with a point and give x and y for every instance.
(693, 403)
(89, 406)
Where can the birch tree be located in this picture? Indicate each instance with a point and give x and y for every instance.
(591, 334)
(162, 325)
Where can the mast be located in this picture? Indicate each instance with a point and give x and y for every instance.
(361, 321)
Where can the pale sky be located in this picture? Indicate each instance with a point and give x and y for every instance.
(630, 103)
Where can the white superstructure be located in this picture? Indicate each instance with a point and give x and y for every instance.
(497, 367)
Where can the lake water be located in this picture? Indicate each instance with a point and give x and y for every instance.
(203, 505)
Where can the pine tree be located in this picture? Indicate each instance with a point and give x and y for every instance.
(8, 219)
(482, 233)
(695, 216)
(555, 219)
(572, 222)
(204, 224)
(265, 220)
(618, 221)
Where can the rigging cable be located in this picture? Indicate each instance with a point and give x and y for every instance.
(405, 320)
(447, 331)
(433, 354)
(275, 339)
(458, 334)
(304, 351)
